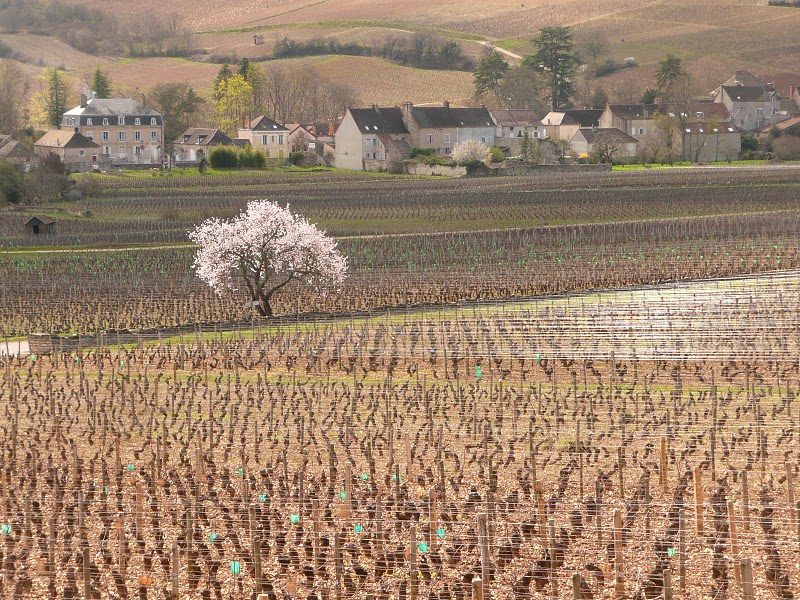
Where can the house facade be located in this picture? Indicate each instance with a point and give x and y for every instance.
(619, 143)
(77, 152)
(442, 127)
(708, 141)
(634, 119)
(17, 153)
(267, 135)
(751, 103)
(566, 123)
(196, 143)
(318, 138)
(127, 132)
(371, 138)
(512, 125)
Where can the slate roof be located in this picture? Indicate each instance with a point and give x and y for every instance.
(515, 117)
(211, 137)
(630, 112)
(699, 110)
(707, 128)
(61, 138)
(744, 78)
(264, 123)
(443, 117)
(379, 120)
(742, 93)
(399, 146)
(611, 134)
(112, 107)
(588, 117)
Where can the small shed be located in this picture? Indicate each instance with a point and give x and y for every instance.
(40, 224)
(258, 39)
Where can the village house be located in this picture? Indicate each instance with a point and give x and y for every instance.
(370, 138)
(78, 153)
(442, 127)
(267, 135)
(751, 103)
(511, 126)
(17, 153)
(708, 141)
(318, 138)
(617, 144)
(196, 143)
(565, 124)
(128, 133)
(634, 119)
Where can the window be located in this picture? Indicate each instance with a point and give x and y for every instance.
(772, 111)
(153, 136)
(447, 137)
(447, 150)
(430, 138)
(153, 121)
(264, 140)
(121, 151)
(137, 121)
(641, 130)
(106, 149)
(137, 135)
(536, 133)
(760, 112)
(89, 121)
(90, 135)
(483, 140)
(106, 136)
(120, 136)
(120, 120)
(136, 150)
(272, 139)
(81, 152)
(105, 121)
(280, 139)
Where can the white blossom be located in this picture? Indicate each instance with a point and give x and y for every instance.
(471, 152)
(268, 247)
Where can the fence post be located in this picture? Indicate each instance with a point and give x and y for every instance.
(667, 584)
(619, 583)
(698, 503)
(747, 579)
(413, 582)
(737, 574)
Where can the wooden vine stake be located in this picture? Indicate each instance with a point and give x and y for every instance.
(790, 494)
(745, 502)
(619, 567)
(483, 540)
(413, 572)
(737, 574)
(576, 586)
(747, 579)
(663, 473)
(667, 584)
(698, 503)
(477, 588)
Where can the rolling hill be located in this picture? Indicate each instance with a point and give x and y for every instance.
(713, 37)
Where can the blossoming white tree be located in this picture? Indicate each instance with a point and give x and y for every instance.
(471, 152)
(268, 247)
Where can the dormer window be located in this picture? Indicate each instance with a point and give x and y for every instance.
(89, 121)
(700, 115)
(138, 121)
(186, 138)
(105, 121)
(153, 121)
(120, 120)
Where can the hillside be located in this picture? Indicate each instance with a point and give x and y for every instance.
(713, 38)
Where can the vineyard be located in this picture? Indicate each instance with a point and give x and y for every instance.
(527, 388)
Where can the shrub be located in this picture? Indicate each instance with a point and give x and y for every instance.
(787, 147)
(497, 154)
(11, 184)
(420, 152)
(89, 185)
(224, 157)
(252, 158)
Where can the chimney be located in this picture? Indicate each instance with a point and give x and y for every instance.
(84, 100)
(331, 128)
(446, 104)
(144, 101)
(314, 130)
(76, 130)
(375, 107)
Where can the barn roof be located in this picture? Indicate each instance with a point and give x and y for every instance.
(39, 220)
